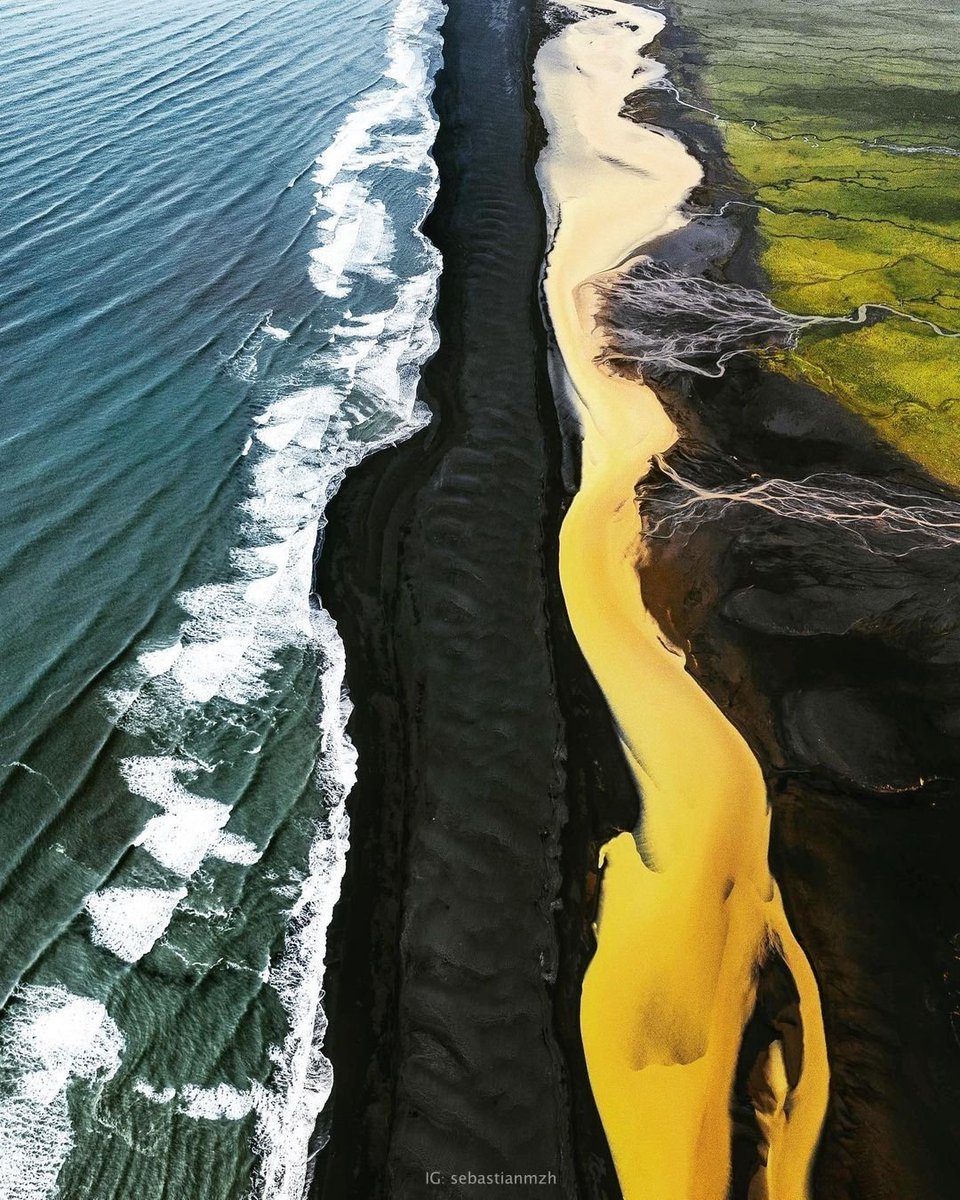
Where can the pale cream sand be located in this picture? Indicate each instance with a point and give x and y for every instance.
(689, 908)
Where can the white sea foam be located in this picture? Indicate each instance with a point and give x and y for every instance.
(50, 1039)
(243, 367)
(189, 827)
(287, 1112)
(222, 1102)
(129, 921)
(280, 435)
(219, 1103)
(155, 662)
(232, 848)
(156, 1095)
(355, 396)
(275, 331)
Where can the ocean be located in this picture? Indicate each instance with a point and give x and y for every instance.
(216, 302)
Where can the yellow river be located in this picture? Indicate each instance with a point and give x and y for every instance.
(689, 909)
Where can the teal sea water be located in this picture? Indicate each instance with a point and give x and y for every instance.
(215, 301)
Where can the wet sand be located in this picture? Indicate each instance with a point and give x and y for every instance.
(690, 917)
(486, 780)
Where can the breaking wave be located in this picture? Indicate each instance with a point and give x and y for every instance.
(227, 673)
(237, 629)
(51, 1039)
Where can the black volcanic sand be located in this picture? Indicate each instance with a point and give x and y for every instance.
(840, 663)
(489, 773)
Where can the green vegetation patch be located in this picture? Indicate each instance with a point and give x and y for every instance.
(903, 378)
(844, 124)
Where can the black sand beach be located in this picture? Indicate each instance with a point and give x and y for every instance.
(489, 773)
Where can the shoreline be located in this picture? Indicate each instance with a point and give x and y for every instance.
(551, 786)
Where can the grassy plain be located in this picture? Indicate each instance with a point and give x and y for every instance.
(844, 123)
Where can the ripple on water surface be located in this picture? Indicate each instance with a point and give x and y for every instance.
(219, 303)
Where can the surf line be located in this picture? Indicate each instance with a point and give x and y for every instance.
(690, 915)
